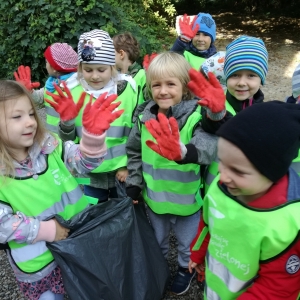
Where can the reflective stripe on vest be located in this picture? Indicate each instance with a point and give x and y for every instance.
(233, 260)
(213, 169)
(195, 61)
(55, 191)
(296, 164)
(117, 134)
(170, 187)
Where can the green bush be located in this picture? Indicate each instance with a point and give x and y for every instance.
(28, 27)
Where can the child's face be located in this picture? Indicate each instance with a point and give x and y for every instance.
(201, 41)
(242, 179)
(119, 61)
(166, 92)
(243, 84)
(18, 125)
(97, 76)
(50, 70)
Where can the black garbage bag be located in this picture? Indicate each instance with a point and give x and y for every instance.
(111, 254)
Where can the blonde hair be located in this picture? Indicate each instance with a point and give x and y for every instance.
(114, 72)
(170, 64)
(12, 90)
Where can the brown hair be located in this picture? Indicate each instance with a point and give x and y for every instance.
(127, 43)
(12, 90)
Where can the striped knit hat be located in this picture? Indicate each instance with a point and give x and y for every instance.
(296, 82)
(62, 57)
(96, 47)
(246, 53)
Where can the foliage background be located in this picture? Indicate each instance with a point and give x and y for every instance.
(28, 27)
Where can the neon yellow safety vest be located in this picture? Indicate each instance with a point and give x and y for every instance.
(118, 132)
(296, 164)
(195, 61)
(52, 117)
(171, 188)
(240, 240)
(140, 79)
(212, 170)
(55, 191)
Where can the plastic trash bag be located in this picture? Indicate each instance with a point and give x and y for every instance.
(111, 254)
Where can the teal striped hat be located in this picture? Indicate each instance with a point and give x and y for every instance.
(246, 53)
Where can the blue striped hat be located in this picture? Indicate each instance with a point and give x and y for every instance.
(296, 82)
(246, 53)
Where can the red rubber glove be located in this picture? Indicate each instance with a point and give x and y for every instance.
(147, 60)
(23, 76)
(63, 104)
(186, 27)
(209, 90)
(167, 136)
(98, 116)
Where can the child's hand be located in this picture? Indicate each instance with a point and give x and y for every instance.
(186, 27)
(210, 90)
(63, 104)
(98, 116)
(198, 267)
(147, 60)
(23, 76)
(61, 232)
(167, 136)
(122, 174)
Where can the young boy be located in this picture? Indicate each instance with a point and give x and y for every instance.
(249, 234)
(196, 40)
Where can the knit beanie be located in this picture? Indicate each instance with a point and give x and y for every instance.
(96, 47)
(62, 57)
(207, 25)
(246, 53)
(268, 134)
(296, 82)
(215, 64)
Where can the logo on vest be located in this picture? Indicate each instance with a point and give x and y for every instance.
(59, 178)
(293, 264)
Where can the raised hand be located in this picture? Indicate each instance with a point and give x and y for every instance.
(166, 133)
(63, 104)
(98, 116)
(147, 60)
(23, 76)
(186, 27)
(209, 90)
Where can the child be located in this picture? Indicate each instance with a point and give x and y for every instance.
(97, 75)
(170, 180)
(245, 69)
(197, 38)
(127, 52)
(61, 65)
(295, 98)
(249, 235)
(36, 183)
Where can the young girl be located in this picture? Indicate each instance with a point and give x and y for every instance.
(97, 75)
(196, 40)
(249, 235)
(170, 186)
(61, 65)
(36, 184)
(127, 52)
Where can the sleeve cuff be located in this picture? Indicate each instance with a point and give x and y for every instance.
(191, 156)
(133, 192)
(215, 116)
(93, 145)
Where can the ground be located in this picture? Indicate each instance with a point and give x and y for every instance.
(279, 34)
